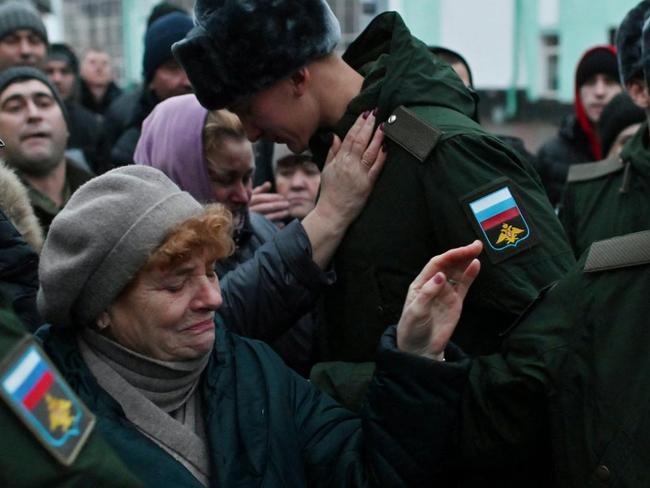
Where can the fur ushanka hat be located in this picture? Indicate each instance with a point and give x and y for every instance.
(240, 47)
(628, 42)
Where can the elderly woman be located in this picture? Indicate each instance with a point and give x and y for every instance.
(207, 155)
(128, 284)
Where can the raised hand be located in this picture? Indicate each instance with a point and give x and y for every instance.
(435, 299)
(351, 169)
(272, 205)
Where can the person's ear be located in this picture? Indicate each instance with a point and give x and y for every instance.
(299, 81)
(638, 92)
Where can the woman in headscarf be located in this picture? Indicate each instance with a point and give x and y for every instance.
(207, 155)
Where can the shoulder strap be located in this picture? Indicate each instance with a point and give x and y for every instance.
(619, 252)
(591, 171)
(412, 133)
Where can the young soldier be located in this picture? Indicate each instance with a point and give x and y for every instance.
(446, 180)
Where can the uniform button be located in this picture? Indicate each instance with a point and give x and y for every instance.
(392, 119)
(380, 309)
(602, 473)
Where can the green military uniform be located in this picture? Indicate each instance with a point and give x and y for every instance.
(33, 453)
(608, 198)
(430, 197)
(573, 379)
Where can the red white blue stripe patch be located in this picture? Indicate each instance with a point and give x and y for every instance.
(37, 393)
(500, 221)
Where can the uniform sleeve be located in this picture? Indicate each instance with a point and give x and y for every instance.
(505, 407)
(267, 294)
(403, 429)
(462, 171)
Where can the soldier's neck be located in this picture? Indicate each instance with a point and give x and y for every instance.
(338, 84)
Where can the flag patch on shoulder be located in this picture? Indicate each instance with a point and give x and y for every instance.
(41, 399)
(500, 222)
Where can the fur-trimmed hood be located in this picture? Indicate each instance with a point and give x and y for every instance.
(14, 202)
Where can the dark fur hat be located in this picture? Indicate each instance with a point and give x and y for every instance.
(628, 42)
(240, 47)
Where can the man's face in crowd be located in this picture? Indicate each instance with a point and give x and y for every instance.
(596, 92)
(279, 114)
(298, 182)
(22, 47)
(96, 68)
(230, 166)
(61, 76)
(170, 80)
(33, 127)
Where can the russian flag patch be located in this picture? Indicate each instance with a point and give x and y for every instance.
(43, 401)
(499, 221)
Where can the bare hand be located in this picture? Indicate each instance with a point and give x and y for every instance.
(435, 299)
(273, 206)
(351, 169)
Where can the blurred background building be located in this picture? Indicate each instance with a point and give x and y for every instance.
(522, 52)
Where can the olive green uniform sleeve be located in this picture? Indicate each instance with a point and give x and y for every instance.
(461, 170)
(25, 462)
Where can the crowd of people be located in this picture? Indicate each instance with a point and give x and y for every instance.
(402, 299)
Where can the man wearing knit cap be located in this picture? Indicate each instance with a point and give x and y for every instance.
(273, 63)
(85, 141)
(23, 37)
(163, 78)
(596, 83)
(33, 126)
(610, 197)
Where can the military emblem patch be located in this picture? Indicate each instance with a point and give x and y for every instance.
(37, 393)
(499, 222)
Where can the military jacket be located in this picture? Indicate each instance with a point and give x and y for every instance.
(571, 388)
(438, 190)
(608, 198)
(29, 446)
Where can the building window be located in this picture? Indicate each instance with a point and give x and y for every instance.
(550, 65)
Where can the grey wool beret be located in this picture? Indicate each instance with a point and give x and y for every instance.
(239, 48)
(18, 15)
(101, 239)
(628, 42)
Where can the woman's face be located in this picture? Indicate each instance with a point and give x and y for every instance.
(168, 315)
(230, 166)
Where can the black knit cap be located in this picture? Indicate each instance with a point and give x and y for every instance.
(158, 40)
(453, 57)
(628, 42)
(620, 113)
(240, 47)
(18, 15)
(598, 61)
(25, 73)
(62, 52)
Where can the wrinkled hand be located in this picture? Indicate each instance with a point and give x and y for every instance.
(351, 169)
(273, 206)
(435, 299)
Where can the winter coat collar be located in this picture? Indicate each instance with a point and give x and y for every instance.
(637, 151)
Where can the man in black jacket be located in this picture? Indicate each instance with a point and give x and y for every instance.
(596, 83)
(164, 78)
